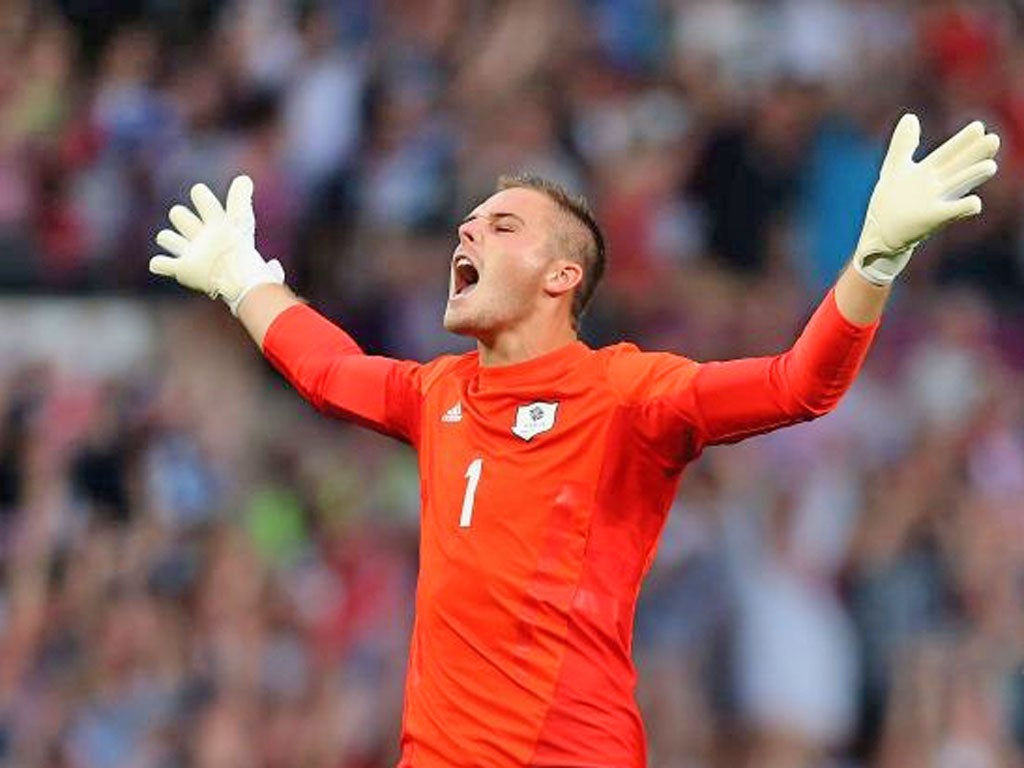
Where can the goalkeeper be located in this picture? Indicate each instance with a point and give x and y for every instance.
(547, 467)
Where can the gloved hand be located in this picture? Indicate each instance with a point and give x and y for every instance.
(216, 250)
(914, 199)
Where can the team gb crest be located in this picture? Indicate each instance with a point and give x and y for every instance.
(533, 419)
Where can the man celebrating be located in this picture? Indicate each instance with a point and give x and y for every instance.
(547, 467)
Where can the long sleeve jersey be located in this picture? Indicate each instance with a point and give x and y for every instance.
(544, 488)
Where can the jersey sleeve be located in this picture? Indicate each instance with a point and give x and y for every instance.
(684, 406)
(330, 370)
(739, 398)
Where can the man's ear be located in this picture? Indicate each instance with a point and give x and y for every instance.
(563, 277)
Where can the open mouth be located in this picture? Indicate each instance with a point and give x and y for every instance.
(465, 276)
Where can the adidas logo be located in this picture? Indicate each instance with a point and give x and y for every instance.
(453, 414)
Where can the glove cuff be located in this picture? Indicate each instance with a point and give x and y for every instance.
(875, 259)
(882, 268)
(265, 273)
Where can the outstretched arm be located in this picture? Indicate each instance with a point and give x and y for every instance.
(330, 370)
(728, 401)
(215, 252)
(912, 200)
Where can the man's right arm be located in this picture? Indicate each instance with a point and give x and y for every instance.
(328, 368)
(214, 252)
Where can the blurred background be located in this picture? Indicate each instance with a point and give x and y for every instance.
(197, 570)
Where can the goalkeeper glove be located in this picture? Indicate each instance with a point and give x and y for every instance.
(912, 200)
(215, 252)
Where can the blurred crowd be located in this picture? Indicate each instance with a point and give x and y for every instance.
(196, 570)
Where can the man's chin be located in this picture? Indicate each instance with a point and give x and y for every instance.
(462, 326)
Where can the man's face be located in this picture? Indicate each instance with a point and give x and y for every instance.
(499, 266)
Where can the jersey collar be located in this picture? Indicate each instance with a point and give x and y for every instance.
(537, 370)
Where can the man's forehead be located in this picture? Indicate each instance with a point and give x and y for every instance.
(521, 201)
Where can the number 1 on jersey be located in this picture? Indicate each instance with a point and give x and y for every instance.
(473, 475)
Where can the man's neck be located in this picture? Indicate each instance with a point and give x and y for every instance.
(520, 345)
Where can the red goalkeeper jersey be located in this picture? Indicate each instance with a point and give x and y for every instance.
(545, 486)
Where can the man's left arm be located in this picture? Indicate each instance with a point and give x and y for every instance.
(731, 400)
(727, 401)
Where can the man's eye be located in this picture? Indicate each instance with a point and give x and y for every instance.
(504, 228)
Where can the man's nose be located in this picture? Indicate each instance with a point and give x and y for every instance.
(468, 232)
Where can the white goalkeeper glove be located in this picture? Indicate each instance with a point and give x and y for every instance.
(912, 200)
(216, 250)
